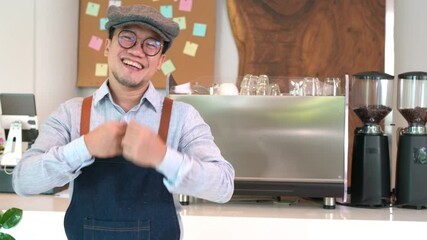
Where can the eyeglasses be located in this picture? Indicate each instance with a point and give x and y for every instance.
(150, 46)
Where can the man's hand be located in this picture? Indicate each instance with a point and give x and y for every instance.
(142, 146)
(106, 140)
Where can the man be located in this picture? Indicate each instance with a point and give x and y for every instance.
(123, 176)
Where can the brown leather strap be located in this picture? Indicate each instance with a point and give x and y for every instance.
(164, 121)
(85, 116)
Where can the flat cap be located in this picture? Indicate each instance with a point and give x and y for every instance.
(144, 15)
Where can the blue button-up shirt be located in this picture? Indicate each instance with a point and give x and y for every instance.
(193, 164)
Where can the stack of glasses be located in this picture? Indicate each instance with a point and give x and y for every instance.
(308, 86)
(258, 85)
(311, 86)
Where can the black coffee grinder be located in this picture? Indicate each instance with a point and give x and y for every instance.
(370, 174)
(411, 170)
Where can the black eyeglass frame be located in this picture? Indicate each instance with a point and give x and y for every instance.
(142, 43)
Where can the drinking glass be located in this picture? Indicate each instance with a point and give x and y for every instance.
(311, 86)
(274, 89)
(244, 85)
(331, 86)
(262, 87)
(253, 81)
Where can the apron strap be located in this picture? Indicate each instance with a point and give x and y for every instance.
(166, 117)
(164, 121)
(85, 116)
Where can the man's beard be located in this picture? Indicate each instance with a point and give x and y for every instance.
(126, 83)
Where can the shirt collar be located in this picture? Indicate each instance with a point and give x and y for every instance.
(151, 95)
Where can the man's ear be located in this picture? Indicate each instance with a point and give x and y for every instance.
(107, 47)
(161, 61)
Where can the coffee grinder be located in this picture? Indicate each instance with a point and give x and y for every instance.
(370, 173)
(411, 170)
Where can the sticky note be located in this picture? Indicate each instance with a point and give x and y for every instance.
(199, 30)
(92, 9)
(115, 3)
(166, 11)
(102, 23)
(101, 70)
(190, 48)
(95, 43)
(185, 5)
(168, 67)
(181, 22)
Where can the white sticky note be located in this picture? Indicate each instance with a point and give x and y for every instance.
(115, 3)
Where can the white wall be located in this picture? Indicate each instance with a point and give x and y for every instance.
(226, 56)
(410, 41)
(17, 49)
(56, 42)
(39, 51)
(410, 36)
(410, 51)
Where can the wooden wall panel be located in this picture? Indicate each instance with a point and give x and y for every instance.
(309, 38)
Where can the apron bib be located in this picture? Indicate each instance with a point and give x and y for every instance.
(114, 199)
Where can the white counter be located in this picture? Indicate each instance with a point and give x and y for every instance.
(305, 219)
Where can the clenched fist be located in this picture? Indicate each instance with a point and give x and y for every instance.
(142, 146)
(106, 140)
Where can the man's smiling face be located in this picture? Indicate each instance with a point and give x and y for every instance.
(132, 68)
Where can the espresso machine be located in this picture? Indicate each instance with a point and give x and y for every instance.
(370, 174)
(411, 170)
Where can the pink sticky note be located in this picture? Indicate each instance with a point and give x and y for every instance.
(95, 43)
(185, 5)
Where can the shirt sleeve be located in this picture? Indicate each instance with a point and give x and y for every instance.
(196, 167)
(55, 158)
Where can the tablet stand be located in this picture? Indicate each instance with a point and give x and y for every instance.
(12, 154)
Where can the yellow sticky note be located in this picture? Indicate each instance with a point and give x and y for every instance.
(181, 22)
(190, 48)
(101, 70)
(168, 67)
(92, 9)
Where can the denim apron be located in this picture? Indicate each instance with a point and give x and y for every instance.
(114, 199)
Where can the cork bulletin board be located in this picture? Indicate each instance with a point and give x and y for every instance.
(190, 57)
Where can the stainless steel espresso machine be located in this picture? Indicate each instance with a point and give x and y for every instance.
(371, 101)
(411, 171)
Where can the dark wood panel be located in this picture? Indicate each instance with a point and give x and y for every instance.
(309, 38)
